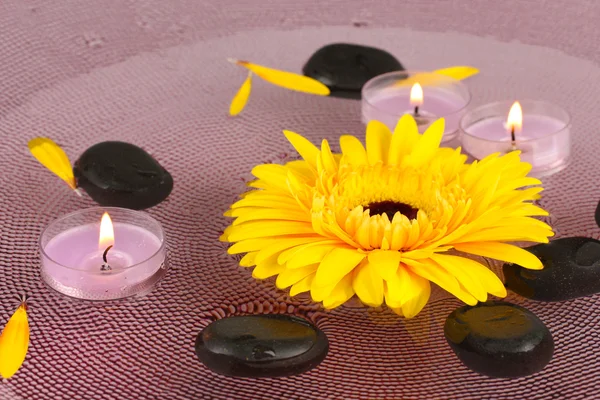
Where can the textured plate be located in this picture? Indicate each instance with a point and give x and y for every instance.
(155, 74)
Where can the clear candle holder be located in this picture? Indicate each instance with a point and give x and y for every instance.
(544, 140)
(386, 98)
(74, 263)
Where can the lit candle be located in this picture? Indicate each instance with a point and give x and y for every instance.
(425, 95)
(101, 260)
(515, 123)
(539, 130)
(416, 97)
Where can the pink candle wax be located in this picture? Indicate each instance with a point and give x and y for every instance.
(386, 101)
(544, 139)
(72, 261)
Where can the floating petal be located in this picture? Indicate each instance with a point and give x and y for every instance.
(458, 72)
(287, 80)
(51, 156)
(14, 342)
(241, 97)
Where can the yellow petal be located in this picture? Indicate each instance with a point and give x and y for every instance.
(310, 255)
(353, 150)
(302, 286)
(438, 275)
(368, 285)
(406, 134)
(257, 214)
(490, 281)
(288, 254)
(514, 233)
(225, 236)
(502, 251)
(287, 80)
(329, 163)
(362, 234)
(399, 237)
(274, 174)
(413, 235)
(241, 97)
(301, 169)
(295, 184)
(320, 293)
(266, 201)
(413, 307)
(281, 244)
(458, 72)
(438, 77)
(289, 277)
(336, 264)
(526, 210)
(341, 293)
(305, 148)
(378, 140)
(256, 229)
(385, 262)
(392, 292)
(249, 245)
(267, 269)
(51, 156)
(14, 342)
(249, 259)
(433, 273)
(415, 292)
(426, 148)
(411, 284)
(468, 280)
(261, 184)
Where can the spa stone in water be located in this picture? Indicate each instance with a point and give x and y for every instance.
(571, 270)
(345, 68)
(261, 346)
(119, 174)
(499, 339)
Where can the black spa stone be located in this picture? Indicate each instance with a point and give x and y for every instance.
(261, 346)
(345, 68)
(571, 270)
(118, 174)
(499, 339)
(597, 214)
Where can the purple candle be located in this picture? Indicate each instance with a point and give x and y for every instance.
(425, 95)
(99, 260)
(539, 130)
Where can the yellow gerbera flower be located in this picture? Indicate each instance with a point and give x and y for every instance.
(379, 221)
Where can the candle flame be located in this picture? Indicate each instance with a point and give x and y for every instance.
(416, 95)
(515, 118)
(107, 233)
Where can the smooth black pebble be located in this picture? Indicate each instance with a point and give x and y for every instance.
(119, 174)
(261, 346)
(571, 270)
(345, 68)
(499, 339)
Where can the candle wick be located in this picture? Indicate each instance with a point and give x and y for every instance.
(513, 139)
(416, 111)
(105, 266)
(105, 253)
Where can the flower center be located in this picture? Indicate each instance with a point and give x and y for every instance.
(392, 207)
